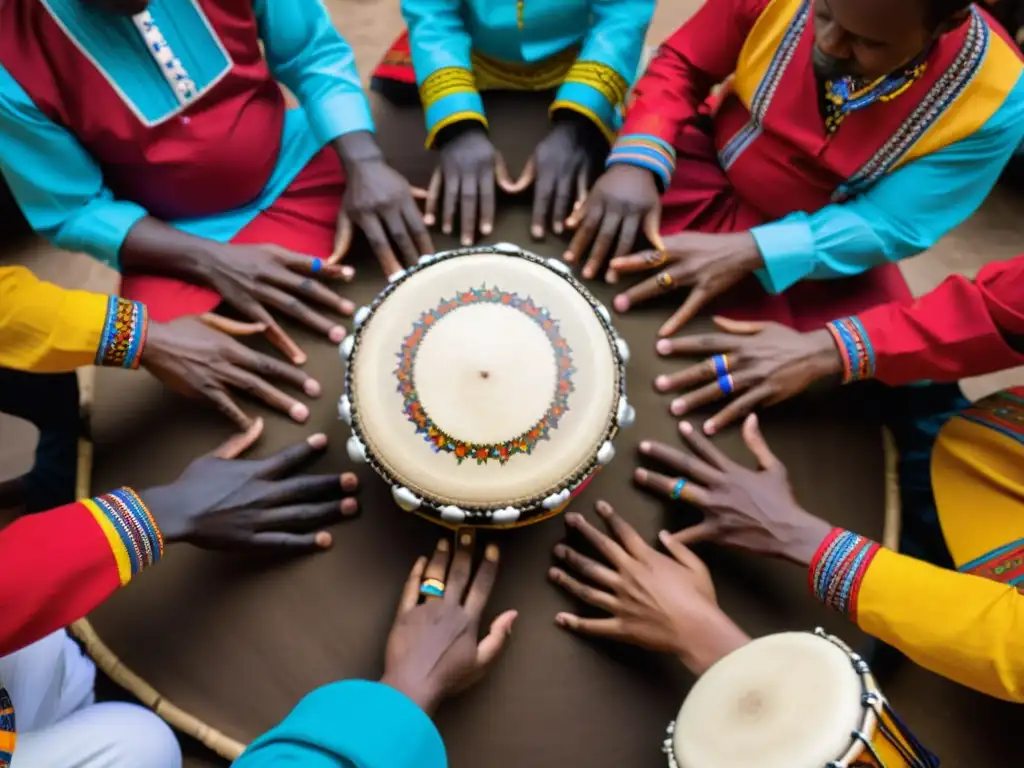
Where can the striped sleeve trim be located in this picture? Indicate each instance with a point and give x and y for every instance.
(838, 568)
(602, 78)
(130, 530)
(445, 82)
(855, 347)
(124, 334)
(645, 151)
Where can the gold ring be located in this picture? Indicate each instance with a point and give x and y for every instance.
(656, 258)
(432, 588)
(664, 280)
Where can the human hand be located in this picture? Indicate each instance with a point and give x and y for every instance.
(663, 603)
(766, 362)
(624, 201)
(221, 503)
(711, 264)
(559, 167)
(251, 278)
(381, 202)
(466, 175)
(198, 358)
(752, 510)
(434, 650)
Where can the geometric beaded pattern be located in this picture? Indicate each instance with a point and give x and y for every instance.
(8, 731)
(838, 569)
(939, 98)
(124, 334)
(173, 70)
(854, 347)
(442, 442)
(134, 524)
(1002, 411)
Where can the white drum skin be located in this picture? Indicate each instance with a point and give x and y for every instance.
(486, 386)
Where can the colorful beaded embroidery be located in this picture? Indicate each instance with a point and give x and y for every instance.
(437, 438)
(854, 347)
(645, 151)
(838, 569)
(848, 94)
(130, 529)
(173, 70)
(124, 334)
(1005, 565)
(8, 732)
(1003, 412)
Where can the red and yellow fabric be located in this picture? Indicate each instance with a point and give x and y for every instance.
(61, 564)
(47, 329)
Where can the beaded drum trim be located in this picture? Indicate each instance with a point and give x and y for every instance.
(434, 435)
(838, 569)
(8, 732)
(124, 334)
(854, 347)
(645, 151)
(939, 98)
(130, 529)
(530, 508)
(766, 89)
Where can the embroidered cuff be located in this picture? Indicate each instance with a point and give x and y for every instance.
(449, 95)
(788, 249)
(645, 151)
(838, 568)
(130, 529)
(595, 91)
(854, 347)
(124, 334)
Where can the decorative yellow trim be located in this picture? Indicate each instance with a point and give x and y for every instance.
(124, 564)
(608, 133)
(602, 78)
(451, 119)
(493, 74)
(445, 82)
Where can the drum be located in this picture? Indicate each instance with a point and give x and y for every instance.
(485, 385)
(795, 700)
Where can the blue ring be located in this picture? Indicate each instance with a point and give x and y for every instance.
(677, 489)
(725, 383)
(317, 265)
(721, 367)
(429, 590)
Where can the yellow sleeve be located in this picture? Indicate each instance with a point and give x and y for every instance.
(960, 626)
(47, 329)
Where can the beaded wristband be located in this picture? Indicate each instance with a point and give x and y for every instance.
(838, 568)
(645, 151)
(124, 334)
(130, 529)
(854, 347)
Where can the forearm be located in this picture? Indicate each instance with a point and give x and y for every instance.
(62, 564)
(356, 148)
(707, 644)
(155, 247)
(957, 625)
(350, 723)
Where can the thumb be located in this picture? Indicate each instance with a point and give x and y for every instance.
(737, 326)
(231, 327)
(342, 239)
(489, 648)
(757, 444)
(419, 193)
(238, 444)
(652, 228)
(525, 178)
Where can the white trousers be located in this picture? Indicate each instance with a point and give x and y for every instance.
(59, 725)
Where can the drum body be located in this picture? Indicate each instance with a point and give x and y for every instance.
(486, 386)
(793, 700)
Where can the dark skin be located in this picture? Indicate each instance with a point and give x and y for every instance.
(251, 279)
(381, 203)
(867, 39)
(708, 265)
(434, 650)
(661, 602)
(198, 358)
(768, 362)
(220, 502)
(753, 510)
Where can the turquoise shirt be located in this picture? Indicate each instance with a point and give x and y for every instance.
(905, 213)
(351, 724)
(60, 187)
(608, 35)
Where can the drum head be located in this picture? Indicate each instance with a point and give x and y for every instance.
(789, 700)
(484, 380)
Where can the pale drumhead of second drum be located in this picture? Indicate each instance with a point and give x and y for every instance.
(485, 373)
(789, 700)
